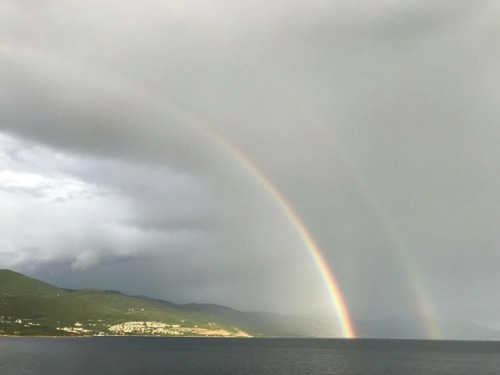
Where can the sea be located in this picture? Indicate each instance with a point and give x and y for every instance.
(161, 355)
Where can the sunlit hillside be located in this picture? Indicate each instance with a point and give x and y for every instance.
(31, 307)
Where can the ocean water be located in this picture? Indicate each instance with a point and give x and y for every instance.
(150, 355)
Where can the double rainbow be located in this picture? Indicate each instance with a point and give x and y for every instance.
(401, 252)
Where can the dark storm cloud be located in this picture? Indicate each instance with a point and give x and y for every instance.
(377, 120)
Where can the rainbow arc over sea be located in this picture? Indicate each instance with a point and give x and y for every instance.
(408, 266)
(326, 274)
(329, 281)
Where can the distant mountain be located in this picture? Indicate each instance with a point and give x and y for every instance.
(32, 307)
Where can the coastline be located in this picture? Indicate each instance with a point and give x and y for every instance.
(152, 336)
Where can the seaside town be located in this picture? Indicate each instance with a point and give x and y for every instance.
(133, 328)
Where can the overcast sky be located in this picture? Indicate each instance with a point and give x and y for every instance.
(123, 126)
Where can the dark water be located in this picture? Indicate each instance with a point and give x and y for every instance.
(137, 355)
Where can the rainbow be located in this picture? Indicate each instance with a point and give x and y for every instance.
(400, 251)
(416, 285)
(331, 284)
(332, 288)
(407, 266)
(419, 292)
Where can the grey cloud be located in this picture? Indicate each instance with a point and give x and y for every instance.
(377, 120)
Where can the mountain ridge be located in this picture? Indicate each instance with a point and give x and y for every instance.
(30, 307)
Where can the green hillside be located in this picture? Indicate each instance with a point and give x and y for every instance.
(31, 307)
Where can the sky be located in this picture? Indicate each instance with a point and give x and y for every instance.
(141, 143)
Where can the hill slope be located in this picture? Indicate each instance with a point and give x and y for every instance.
(32, 307)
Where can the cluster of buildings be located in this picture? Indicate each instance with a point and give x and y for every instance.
(134, 328)
(21, 322)
(153, 328)
(77, 328)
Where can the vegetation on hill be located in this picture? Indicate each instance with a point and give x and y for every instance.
(31, 307)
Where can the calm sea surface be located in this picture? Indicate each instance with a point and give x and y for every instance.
(139, 355)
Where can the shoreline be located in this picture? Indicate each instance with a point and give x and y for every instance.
(440, 341)
(91, 336)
